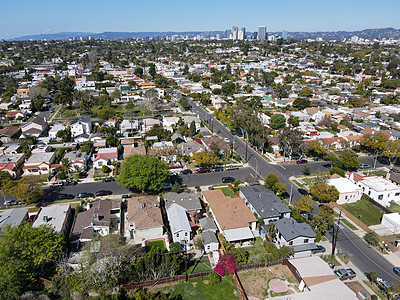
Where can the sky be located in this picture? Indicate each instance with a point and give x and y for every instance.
(27, 17)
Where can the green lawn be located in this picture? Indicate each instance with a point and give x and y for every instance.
(365, 211)
(257, 251)
(202, 290)
(155, 243)
(394, 207)
(227, 192)
(348, 224)
(194, 265)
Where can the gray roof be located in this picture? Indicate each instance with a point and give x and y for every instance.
(189, 201)
(82, 119)
(303, 247)
(178, 219)
(54, 215)
(13, 217)
(176, 136)
(208, 237)
(265, 202)
(290, 229)
(207, 224)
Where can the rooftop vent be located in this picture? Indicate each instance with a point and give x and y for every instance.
(96, 217)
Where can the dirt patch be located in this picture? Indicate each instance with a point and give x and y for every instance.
(278, 286)
(256, 282)
(356, 287)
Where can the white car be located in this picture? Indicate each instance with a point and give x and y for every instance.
(227, 140)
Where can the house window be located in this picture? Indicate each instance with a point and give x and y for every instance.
(290, 243)
(369, 193)
(397, 194)
(305, 241)
(380, 197)
(346, 197)
(100, 163)
(177, 235)
(208, 247)
(185, 233)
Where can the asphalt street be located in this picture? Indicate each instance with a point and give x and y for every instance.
(364, 256)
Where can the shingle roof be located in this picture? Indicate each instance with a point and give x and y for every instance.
(177, 218)
(13, 217)
(290, 229)
(264, 201)
(208, 237)
(145, 212)
(207, 224)
(189, 201)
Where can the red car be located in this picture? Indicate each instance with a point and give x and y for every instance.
(103, 193)
(203, 170)
(302, 161)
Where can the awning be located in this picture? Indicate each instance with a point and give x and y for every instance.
(238, 234)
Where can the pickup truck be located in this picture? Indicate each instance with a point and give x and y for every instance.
(344, 274)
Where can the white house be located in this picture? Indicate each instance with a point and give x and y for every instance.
(57, 216)
(105, 156)
(36, 127)
(391, 222)
(168, 122)
(179, 223)
(210, 241)
(39, 163)
(377, 188)
(299, 236)
(77, 159)
(348, 191)
(56, 128)
(81, 125)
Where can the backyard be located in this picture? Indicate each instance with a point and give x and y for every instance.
(155, 243)
(257, 251)
(227, 192)
(365, 211)
(269, 282)
(196, 265)
(201, 289)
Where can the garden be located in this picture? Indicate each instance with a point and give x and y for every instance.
(365, 211)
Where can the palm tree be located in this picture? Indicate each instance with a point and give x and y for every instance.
(66, 166)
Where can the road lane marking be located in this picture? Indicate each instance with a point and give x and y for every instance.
(282, 167)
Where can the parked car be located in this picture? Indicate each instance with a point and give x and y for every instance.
(85, 195)
(344, 274)
(203, 170)
(384, 285)
(227, 140)
(231, 168)
(364, 166)
(296, 156)
(65, 196)
(186, 171)
(217, 169)
(57, 183)
(383, 160)
(103, 193)
(70, 182)
(394, 170)
(211, 188)
(126, 196)
(302, 161)
(10, 202)
(228, 179)
(167, 186)
(319, 249)
(109, 179)
(136, 191)
(396, 270)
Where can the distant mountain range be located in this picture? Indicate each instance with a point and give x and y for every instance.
(378, 33)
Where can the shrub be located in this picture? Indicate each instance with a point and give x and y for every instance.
(214, 278)
(197, 188)
(336, 170)
(372, 239)
(226, 265)
(105, 169)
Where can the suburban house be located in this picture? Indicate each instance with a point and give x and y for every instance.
(177, 138)
(377, 188)
(8, 133)
(12, 163)
(298, 236)
(208, 234)
(316, 278)
(191, 147)
(264, 203)
(189, 201)
(100, 218)
(55, 129)
(58, 216)
(169, 122)
(39, 163)
(36, 127)
(15, 114)
(392, 222)
(128, 128)
(13, 217)
(144, 220)
(164, 150)
(77, 159)
(348, 191)
(179, 224)
(232, 217)
(81, 125)
(105, 156)
(210, 142)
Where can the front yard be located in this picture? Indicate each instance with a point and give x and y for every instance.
(269, 282)
(365, 211)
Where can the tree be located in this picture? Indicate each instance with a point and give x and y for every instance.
(372, 239)
(374, 142)
(116, 94)
(192, 128)
(106, 113)
(306, 92)
(184, 103)
(65, 135)
(138, 72)
(301, 103)
(324, 193)
(4, 177)
(348, 160)
(281, 91)
(392, 150)
(27, 189)
(152, 70)
(271, 232)
(86, 147)
(290, 140)
(228, 88)
(176, 187)
(205, 158)
(304, 204)
(226, 265)
(294, 121)
(66, 87)
(112, 141)
(151, 99)
(270, 181)
(314, 149)
(278, 121)
(26, 253)
(162, 82)
(306, 170)
(143, 172)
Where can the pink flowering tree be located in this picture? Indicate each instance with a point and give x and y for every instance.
(226, 265)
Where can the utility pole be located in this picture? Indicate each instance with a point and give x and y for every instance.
(291, 191)
(336, 234)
